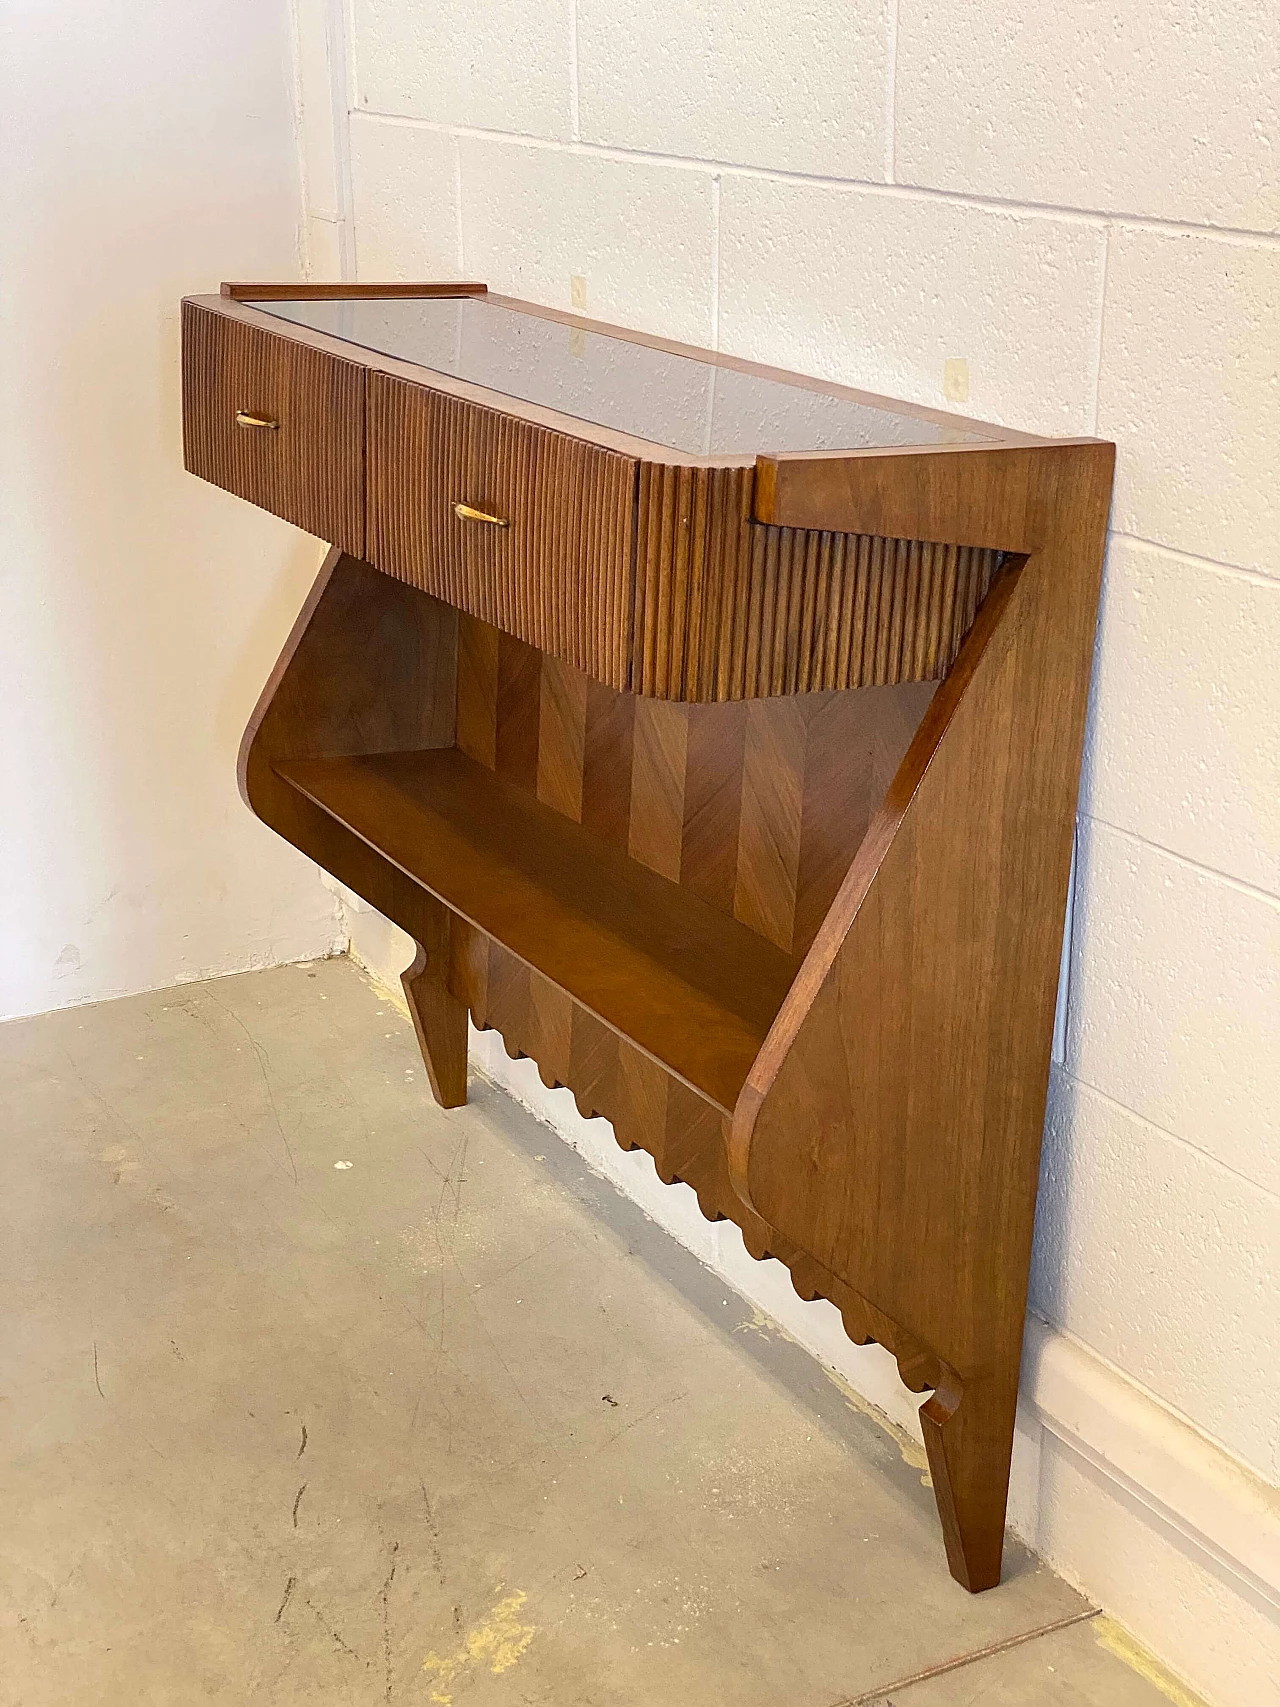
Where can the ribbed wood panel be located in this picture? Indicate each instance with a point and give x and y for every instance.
(726, 608)
(645, 576)
(311, 469)
(559, 577)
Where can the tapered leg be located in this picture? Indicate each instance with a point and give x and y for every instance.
(970, 1443)
(440, 1021)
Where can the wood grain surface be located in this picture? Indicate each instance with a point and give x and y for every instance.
(689, 985)
(370, 666)
(729, 608)
(347, 291)
(559, 575)
(310, 470)
(655, 577)
(903, 1085)
(757, 807)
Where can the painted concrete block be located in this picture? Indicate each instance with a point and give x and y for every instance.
(638, 236)
(316, 104)
(1164, 1263)
(323, 249)
(891, 291)
(495, 64)
(1175, 999)
(1190, 388)
(796, 88)
(405, 189)
(1184, 728)
(1212, 1626)
(1166, 108)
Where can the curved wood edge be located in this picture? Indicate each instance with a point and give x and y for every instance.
(649, 1110)
(441, 1025)
(368, 667)
(302, 623)
(439, 1020)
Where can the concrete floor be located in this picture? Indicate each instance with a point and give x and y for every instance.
(314, 1393)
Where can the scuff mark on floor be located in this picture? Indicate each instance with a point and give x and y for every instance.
(498, 1641)
(122, 1161)
(288, 1590)
(264, 1063)
(386, 1621)
(433, 1533)
(339, 1643)
(297, 1501)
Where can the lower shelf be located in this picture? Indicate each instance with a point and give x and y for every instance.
(690, 986)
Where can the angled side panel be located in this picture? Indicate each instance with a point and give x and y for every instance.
(891, 1125)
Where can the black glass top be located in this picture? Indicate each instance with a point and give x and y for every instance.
(691, 405)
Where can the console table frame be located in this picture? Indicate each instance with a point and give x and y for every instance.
(784, 911)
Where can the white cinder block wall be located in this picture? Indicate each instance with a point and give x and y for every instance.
(1079, 205)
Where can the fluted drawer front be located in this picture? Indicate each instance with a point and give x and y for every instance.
(305, 460)
(558, 575)
(728, 608)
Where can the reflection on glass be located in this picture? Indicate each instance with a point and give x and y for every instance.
(669, 399)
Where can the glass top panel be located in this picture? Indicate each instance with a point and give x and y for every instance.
(673, 400)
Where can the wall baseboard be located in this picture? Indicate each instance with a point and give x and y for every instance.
(1163, 1528)
(1210, 1499)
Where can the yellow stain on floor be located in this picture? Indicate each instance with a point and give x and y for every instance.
(765, 1326)
(392, 994)
(498, 1641)
(912, 1452)
(1117, 1640)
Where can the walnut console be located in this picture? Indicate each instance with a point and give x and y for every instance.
(715, 732)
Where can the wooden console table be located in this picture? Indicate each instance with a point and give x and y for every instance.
(715, 733)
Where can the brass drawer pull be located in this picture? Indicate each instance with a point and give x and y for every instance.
(245, 419)
(466, 513)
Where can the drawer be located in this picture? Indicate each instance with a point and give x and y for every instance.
(309, 467)
(557, 574)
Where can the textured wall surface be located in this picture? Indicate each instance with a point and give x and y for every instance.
(142, 609)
